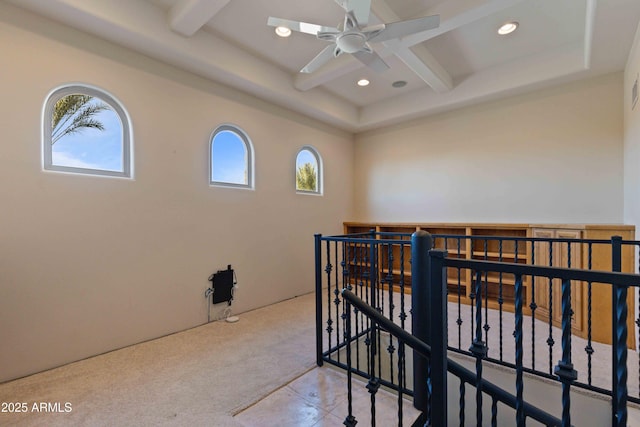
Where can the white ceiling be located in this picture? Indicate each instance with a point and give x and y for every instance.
(462, 62)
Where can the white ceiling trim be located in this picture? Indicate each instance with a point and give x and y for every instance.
(188, 16)
(492, 83)
(138, 25)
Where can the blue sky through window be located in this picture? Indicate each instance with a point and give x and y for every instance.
(229, 158)
(306, 156)
(93, 148)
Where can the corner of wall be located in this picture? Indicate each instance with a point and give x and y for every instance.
(632, 136)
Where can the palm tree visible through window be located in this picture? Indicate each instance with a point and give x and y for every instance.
(76, 112)
(306, 177)
(308, 171)
(86, 131)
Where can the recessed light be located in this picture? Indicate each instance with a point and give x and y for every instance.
(399, 83)
(283, 31)
(363, 82)
(508, 28)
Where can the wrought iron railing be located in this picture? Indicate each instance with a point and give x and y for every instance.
(376, 268)
(431, 416)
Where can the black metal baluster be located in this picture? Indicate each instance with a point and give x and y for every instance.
(374, 290)
(400, 381)
(373, 385)
(462, 402)
(478, 348)
(327, 270)
(337, 300)
(472, 297)
(357, 315)
(589, 349)
(571, 312)
(550, 341)
(620, 354)
(564, 370)
(403, 315)
(459, 319)
(347, 285)
(486, 326)
(500, 300)
(390, 348)
(494, 411)
(373, 265)
(379, 303)
(319, 296)
(369, 300)
(350, 420)
(519, 352)
(533, 307)
(346, 278)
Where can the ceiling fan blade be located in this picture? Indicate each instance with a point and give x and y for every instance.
(302, 27)
(322, 58)
(371, 60)
(400, 29)
(360, 8)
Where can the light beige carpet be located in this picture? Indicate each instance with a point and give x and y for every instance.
(199, 377)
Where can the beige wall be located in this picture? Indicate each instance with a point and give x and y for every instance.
(554, 155)
(632, 145)
(90, 264)
(632, 139)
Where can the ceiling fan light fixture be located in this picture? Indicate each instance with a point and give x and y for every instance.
(363, 82)
(351, 42)
(283, 31)
(508, 28)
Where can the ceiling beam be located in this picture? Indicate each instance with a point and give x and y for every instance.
(424, 64)
(188, 16)
(453, 15)
(419, 60)
(333, 69)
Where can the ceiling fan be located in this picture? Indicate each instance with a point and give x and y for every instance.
(354, 36)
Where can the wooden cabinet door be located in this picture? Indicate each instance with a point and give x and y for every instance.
(543, 298)
(548, 293)
(569, 255)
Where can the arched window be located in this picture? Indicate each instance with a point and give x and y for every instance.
(308, 171)
(86, 130)
(231, 159)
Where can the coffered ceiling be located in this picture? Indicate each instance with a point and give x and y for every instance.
(461, 62)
